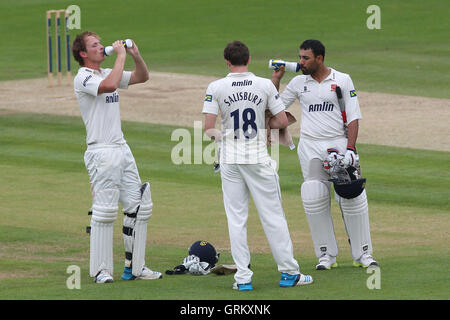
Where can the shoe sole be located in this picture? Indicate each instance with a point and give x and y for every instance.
(149, 278)
(107, 281)
(359, 264)
(322, 267)
(128, 278)
(303, 283)
(298, 283)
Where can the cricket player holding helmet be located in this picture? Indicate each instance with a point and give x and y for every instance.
(241, 98)
(111, 166)
(326, 133)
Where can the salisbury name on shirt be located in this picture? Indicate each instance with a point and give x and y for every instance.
(239, 96)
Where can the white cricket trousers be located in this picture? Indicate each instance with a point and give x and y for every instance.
(261, 181)
(114, 167)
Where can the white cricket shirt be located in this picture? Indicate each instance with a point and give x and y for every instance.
(321, 115)
(100, 113)
(241, 99)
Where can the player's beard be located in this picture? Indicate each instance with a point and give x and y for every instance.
(310, 70)
(305, 70)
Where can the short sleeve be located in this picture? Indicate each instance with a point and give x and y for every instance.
(274, 102)
(210, 104)
(87, 82)
(125, 80)
(289, 95)
(352, 108)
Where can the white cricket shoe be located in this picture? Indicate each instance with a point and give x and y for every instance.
(103, 276)
(326, 262)
(148, 274)
(365, 261)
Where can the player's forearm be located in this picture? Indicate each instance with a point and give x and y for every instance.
(352, 133)
(210, 127)
(141, 71)
(113, 79)
(276, 78)
(279, 121)
(276, 82)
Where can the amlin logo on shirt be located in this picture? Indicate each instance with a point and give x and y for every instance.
(87, 79)
(112, 98)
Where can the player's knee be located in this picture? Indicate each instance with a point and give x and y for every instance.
(146, 206)
(354, 206)
(105, 205)
(314, 189)
(315, 196)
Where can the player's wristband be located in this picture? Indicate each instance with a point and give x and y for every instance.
(352, 149)
(331, 150)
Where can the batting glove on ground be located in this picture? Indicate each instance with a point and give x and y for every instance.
(190, 260)
(199, 268)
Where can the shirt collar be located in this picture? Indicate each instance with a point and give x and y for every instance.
(331, 76)
(239, 74)
(92, 70)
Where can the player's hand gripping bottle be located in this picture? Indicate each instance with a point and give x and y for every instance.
(109, 49)
(277, 64)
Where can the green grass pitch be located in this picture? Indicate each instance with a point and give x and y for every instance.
(44, 199)
(44, 189)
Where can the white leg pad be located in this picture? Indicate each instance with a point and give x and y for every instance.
(140, 230)
(356, 218)
(316, 202)
(104, 213)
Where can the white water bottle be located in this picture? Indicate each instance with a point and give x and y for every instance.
(109, 50)
(276, 64)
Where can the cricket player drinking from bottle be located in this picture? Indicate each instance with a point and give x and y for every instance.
(241, 99)
(323, 137)
(111, 166)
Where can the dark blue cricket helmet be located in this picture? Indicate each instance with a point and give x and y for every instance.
(205, 251)
(351, 185)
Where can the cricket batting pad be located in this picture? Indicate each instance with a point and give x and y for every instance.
(140, 230)
(356, 218)
(316, 202)
(104, 213)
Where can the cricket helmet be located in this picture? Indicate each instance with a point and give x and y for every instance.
(205, 251)
(348, 183)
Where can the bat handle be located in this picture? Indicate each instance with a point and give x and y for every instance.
(344, 117)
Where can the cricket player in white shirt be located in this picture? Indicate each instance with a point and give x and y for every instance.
(322, 137)
(241, 99)
(111, 166)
